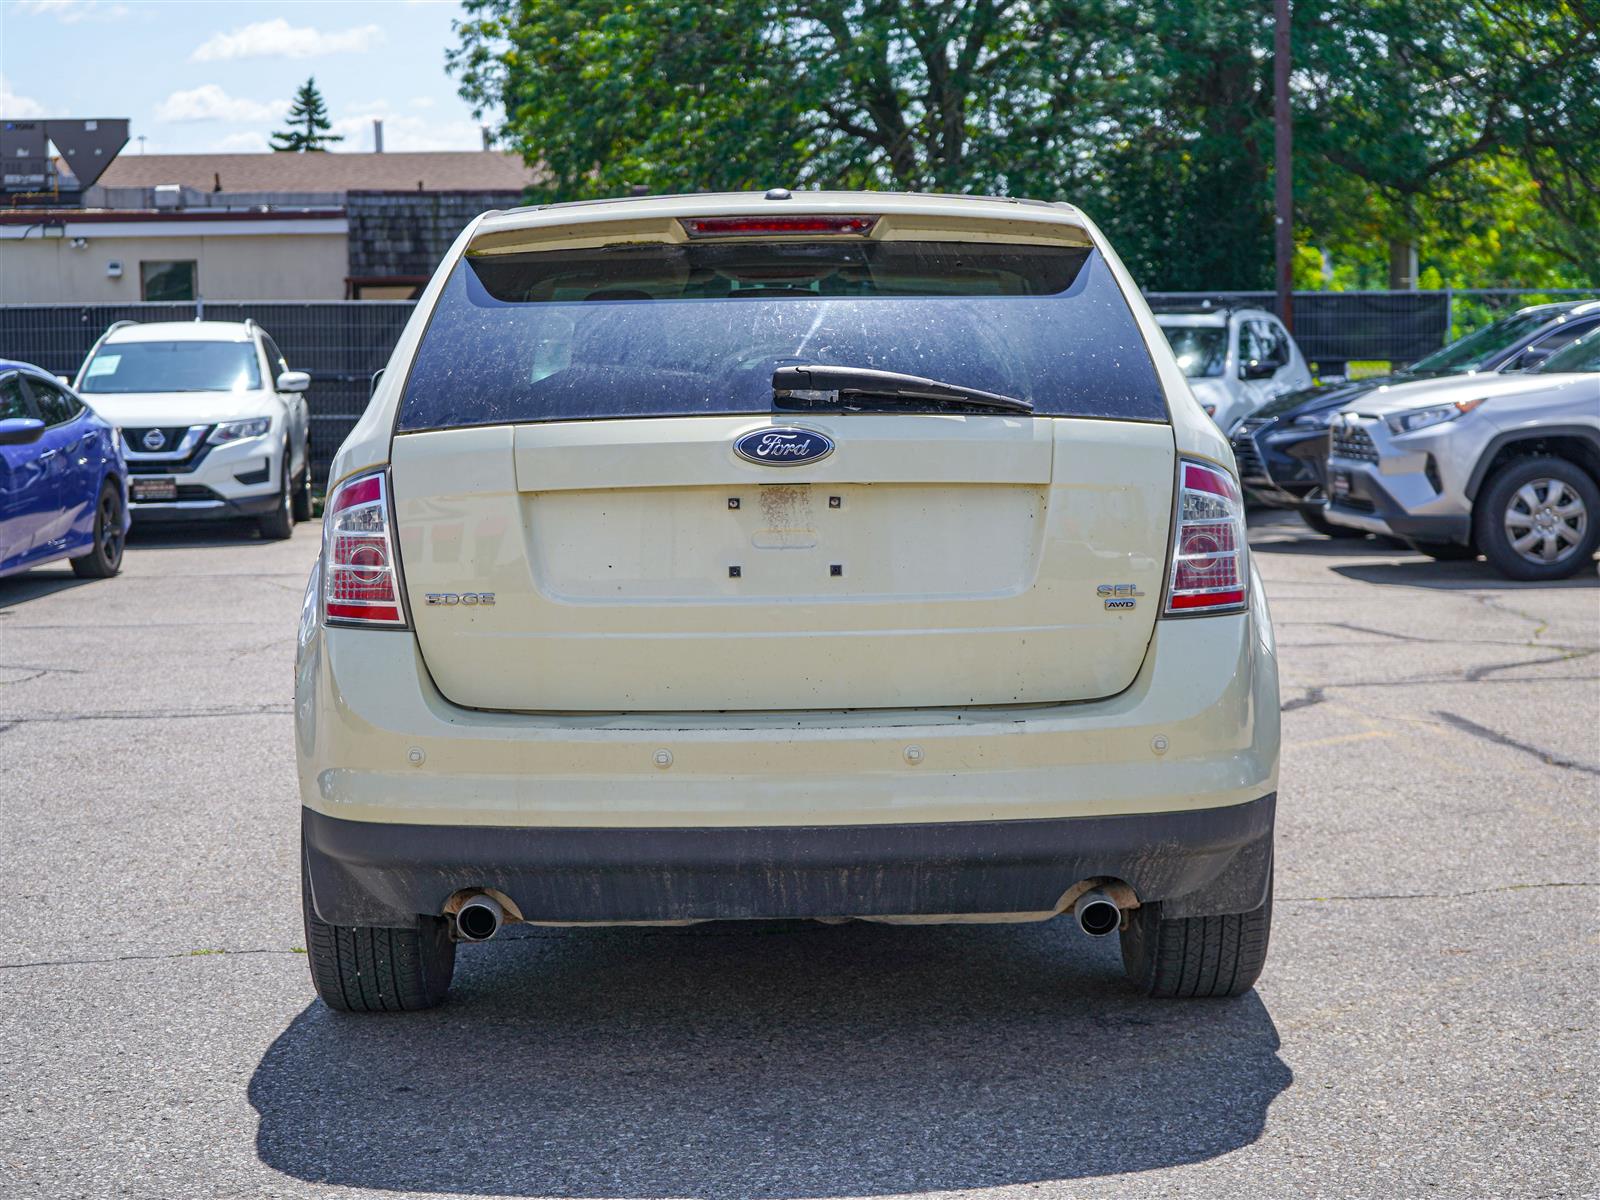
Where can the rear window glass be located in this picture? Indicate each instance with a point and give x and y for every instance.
(698, 329)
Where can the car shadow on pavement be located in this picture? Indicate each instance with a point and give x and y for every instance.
(196, 535)
(1277, 537)
(37, 584)
(1457, 576)
(776, 1060)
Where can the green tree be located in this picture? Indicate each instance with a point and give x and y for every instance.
(308, 123)
(1425, 102)
(1464, 127)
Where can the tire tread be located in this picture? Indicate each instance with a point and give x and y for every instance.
(1193, 957)
(357, 968)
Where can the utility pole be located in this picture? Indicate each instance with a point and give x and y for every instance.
(1283, 164)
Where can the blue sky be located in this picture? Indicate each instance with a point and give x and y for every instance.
(216, 75)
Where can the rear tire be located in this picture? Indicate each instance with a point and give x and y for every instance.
(1502, 503)
(1189, 957)
(105, 559)
(279, 523)
(302, 493)
(1318, 520)
(359, 968)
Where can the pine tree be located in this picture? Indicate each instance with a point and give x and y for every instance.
(308, 123)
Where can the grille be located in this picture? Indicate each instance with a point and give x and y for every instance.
(1354, 443)
(1245, 451)
(1249, 460)
(1250, 466)
(172, 438)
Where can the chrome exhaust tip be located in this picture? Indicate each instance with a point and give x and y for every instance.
(1097, 913)
(479, 918)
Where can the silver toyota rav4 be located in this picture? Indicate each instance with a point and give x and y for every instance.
(1504, 466)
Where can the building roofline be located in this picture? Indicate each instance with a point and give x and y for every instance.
(51, 216)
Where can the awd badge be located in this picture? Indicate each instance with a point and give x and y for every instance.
(1119, 596)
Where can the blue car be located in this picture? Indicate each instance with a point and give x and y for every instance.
(63, 481)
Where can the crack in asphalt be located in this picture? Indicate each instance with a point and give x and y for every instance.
(170, 714)
(1509, 887)
(1314, 695)
(1475, 674)
(38, 672)
(1500, 739)
(117, 958)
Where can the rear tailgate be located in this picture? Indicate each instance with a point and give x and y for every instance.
(640, 565)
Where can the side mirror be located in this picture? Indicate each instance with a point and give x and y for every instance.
(20, 431)
(1532, 357)
(376, 376)
(1258, 370)
(293, 381)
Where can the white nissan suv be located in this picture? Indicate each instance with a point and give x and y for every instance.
(1237, 359)
(214, 424)
(796, 555)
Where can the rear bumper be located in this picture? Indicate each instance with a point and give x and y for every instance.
(1196, 862)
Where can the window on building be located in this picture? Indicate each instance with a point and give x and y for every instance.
(167, 280)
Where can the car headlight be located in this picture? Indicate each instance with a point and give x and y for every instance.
(1422, 418)
(237, 431)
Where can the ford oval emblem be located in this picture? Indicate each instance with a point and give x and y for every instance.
(783, 446)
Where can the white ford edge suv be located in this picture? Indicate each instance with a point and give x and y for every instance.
(214, 423)
(813, 555)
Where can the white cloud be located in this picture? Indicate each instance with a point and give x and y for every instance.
(404, 131)
(209, 102)
(248, 142)
(70, 12)
(18, 108)
(279, 39)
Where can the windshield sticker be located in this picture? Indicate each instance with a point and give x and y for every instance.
(105, 364)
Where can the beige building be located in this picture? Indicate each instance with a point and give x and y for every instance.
(324, 226)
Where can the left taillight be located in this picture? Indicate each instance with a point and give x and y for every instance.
(1209, 570)
(361, 576)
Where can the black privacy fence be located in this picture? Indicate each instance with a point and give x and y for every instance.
(1337, 328)
(342, 342)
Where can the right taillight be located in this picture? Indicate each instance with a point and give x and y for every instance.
(1209, 569)
(361, 578)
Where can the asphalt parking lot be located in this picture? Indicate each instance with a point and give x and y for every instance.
(1426, 1024)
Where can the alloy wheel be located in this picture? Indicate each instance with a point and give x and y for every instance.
(1545, 520)
(110, 529)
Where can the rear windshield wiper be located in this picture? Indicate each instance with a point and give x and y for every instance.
(858, 388)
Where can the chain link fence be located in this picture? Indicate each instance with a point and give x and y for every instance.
(341, 342)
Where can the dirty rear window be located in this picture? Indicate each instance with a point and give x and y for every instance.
(660, 330)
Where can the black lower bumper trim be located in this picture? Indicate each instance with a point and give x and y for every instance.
(1425, 527)
(1196, 862)
(228, 510)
